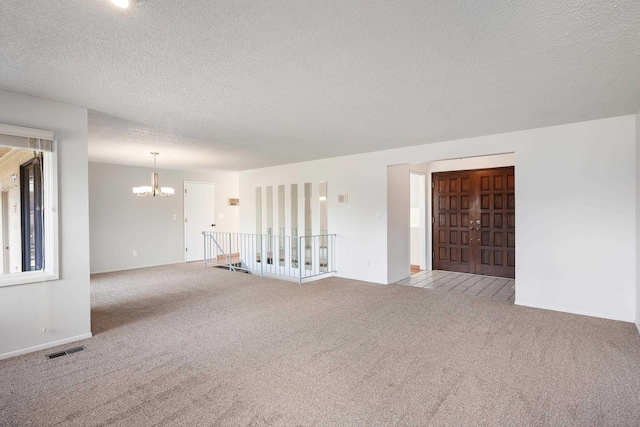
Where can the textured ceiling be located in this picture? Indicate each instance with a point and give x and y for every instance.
(239, 84)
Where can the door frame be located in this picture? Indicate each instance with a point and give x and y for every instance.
(184, 210)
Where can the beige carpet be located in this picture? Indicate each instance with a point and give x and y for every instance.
(184, 345)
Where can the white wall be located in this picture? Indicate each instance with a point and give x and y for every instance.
(121, 222)
(398, 230)
(416, 196)
(575, 200)
(422, 229)
(60, 307)
(638, 220)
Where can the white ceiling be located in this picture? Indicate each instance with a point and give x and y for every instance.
(239, 84)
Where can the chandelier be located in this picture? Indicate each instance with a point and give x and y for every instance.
(153, 190)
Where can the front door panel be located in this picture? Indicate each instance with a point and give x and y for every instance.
(497, 215)
(452, 203)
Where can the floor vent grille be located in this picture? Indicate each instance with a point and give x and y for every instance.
(75, 350)
(63, 353)
(54, 355)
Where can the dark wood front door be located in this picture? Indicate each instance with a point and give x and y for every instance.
(474, 221)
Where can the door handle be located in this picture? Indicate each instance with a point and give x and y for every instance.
(213, 225)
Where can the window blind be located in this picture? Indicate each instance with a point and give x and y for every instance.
(26, 138)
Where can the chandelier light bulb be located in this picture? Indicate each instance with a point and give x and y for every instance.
(124, 4)
(121, 3)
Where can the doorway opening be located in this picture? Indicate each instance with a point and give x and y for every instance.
(417, 231)
(399, 177)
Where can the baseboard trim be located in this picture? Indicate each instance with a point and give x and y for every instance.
(638, 327)
(45, 346)
(139, 267)
(571, 311)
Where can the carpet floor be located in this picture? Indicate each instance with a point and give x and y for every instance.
(185, 345)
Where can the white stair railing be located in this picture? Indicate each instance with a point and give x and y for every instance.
(272, 255)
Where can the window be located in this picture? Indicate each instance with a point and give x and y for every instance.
(28, 206)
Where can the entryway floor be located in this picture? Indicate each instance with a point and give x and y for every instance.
(497, 288)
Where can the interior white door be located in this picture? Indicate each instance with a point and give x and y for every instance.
(199, 216)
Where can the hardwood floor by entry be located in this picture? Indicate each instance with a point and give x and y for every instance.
(497, 288)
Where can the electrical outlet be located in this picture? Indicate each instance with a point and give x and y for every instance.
(368, 263)
(378, 217)
(135, 253)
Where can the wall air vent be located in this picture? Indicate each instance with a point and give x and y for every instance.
(65, 352)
